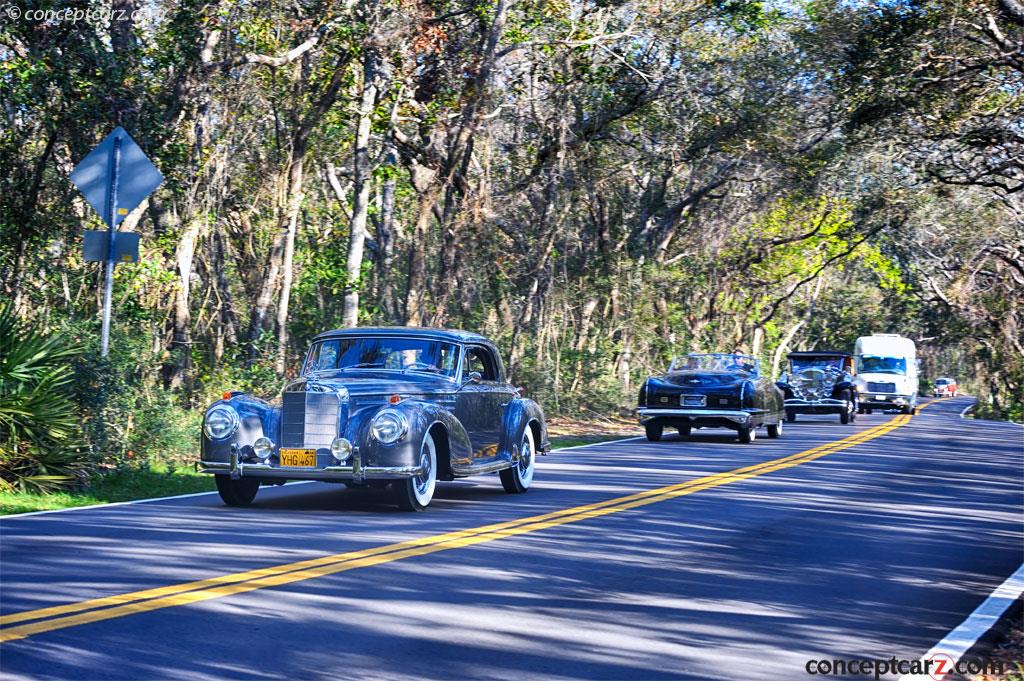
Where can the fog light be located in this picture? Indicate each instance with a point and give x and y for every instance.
(341, 449)
(263, 447)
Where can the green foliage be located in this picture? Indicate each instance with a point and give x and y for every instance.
(747, 16)
(40, 441)
(130, 419)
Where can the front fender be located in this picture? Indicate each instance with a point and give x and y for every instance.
(422, 416)
(257, 418)
(786, 390)
(839, 387)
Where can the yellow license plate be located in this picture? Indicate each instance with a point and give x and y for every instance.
(298, 457)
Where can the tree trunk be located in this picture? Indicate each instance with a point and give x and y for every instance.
(793, 330)
(180, 361)
(288, 256)
(360, 192)
(386, 244)
(415, 303)
(228, 331)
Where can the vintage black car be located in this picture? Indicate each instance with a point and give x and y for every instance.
(820, 383)
(711, 391)
(383, 407)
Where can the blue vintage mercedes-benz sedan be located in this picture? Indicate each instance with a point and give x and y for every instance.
(398, 407)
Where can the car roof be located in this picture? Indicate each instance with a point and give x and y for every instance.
(454, 335)
(819, 353)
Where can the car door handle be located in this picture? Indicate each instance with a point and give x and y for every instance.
(505, 404)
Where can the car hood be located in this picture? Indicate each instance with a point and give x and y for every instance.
(364, 383)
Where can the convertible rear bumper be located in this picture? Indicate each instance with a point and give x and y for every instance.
(696, 416)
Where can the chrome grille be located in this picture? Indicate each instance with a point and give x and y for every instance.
(881, 387)
(309, 419)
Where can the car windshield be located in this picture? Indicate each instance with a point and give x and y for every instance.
(943, 381)
(873, 364)
(382, 353)
(798, 364)
(714, 362)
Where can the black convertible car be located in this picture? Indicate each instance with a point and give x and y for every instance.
(711, 391)
(386, 407)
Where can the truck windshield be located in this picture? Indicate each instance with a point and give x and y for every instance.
(382, 353)
(873, 364)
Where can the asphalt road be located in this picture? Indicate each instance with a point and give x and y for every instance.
(873, 548)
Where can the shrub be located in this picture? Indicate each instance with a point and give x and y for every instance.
(40, 441)
(132, 420)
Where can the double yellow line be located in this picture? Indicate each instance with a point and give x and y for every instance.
(22, 624)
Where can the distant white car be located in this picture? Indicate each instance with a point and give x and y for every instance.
(944, 387)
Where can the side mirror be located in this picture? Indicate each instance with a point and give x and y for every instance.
(473, 377)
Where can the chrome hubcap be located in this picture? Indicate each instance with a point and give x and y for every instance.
(525, 459)
(423, 479)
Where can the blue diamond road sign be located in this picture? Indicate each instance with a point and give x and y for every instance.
(137, 178)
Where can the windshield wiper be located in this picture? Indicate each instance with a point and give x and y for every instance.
(363, 365)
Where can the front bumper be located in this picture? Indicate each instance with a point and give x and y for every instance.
(354, 472)
(883, 401)
(826, 405)
(740, 418)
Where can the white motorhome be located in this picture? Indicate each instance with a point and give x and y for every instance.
(887, 373)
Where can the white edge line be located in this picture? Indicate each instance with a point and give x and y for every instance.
(126, 503)
(974, 404)
(984, 617)
(14, 516)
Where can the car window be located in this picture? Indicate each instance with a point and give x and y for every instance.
(397, 353)
(479, 359)
(322, 356)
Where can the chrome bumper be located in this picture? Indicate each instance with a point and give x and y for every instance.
(874, 401)
(739, 417)
(823, 402)
(239, 469)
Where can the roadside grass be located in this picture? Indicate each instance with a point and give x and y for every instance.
(159, 480)
(125, 485)
(561, 441)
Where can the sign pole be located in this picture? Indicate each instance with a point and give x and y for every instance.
(108, 293)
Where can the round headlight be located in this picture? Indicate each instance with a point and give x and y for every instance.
(389, 426)
(263, 447)
(220, 422)
(341, 449)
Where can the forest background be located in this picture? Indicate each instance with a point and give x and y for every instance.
(596, 185)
